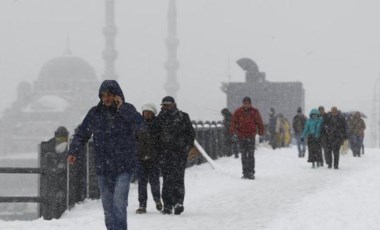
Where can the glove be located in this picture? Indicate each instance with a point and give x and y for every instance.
(302, 139)
(234, 138)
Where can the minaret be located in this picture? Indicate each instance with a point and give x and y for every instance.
(109, 31)
(68, 50)
(171, 65)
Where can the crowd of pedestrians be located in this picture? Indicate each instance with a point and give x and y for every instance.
(326, 132)
(127, 142)
(154, 143)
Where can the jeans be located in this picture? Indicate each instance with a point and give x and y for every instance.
(114, 194)
(300, 145)
(356, 143)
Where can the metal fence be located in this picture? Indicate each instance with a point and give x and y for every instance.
(62, 185)
(52, 178)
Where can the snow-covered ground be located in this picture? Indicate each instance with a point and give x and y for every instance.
(287, 194)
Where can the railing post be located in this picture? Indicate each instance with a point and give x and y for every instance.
(92, 179)
(201, 139)
(54, 175)
(214, 140)
(220, 139)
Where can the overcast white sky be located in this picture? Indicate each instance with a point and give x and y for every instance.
(333, 47)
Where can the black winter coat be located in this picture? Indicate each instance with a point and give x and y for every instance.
(175, 131)
(299, 122)
(148, 144)
(114, 134)
(335, 129)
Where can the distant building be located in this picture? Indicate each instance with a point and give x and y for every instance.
(284, 97)
(65, 89)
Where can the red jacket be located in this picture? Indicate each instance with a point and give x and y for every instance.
(246, 123)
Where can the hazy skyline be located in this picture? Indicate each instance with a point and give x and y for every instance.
(332, 47)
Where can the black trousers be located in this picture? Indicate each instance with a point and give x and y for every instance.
(315, 149)
(173, 174)
(247, 149)
(332, 152)
(149, 173)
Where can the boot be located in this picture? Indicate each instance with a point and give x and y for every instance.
(178, 209)
(141, 210)
(159, 205)
(167, 210)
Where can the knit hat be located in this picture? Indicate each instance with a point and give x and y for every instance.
(149, 107)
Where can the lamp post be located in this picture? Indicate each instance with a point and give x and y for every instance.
(375, 120)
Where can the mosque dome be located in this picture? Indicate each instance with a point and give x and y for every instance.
(67, 68)
(48, 103)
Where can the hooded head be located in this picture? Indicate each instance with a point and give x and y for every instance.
(314, 113)
(111, 86)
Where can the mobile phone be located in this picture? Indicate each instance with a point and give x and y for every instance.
(114, 104)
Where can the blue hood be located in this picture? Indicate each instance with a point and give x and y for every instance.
(111, 86)
(314, 112)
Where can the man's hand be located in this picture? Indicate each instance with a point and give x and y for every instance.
(234, 138)
(71, 159)
(119, 101)
(302, 139)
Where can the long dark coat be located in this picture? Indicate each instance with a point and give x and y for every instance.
(335, 129)
(148, 144)
(175, 131)
(114, 134)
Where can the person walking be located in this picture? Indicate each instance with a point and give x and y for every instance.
(273, 129)
(246, 123)
(356, 127)
(176, 137)
(323, 138)
(299, 121)
(336, 133)
(149, 171)
(113, 124)
(312, 133)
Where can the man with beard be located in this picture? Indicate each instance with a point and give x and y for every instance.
(176, 137)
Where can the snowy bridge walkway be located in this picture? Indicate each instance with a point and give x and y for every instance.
(286, 195)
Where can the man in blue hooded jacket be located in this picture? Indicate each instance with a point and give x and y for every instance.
(113, 124)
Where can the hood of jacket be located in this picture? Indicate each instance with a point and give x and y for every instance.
(314, 112)
(111, 86)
